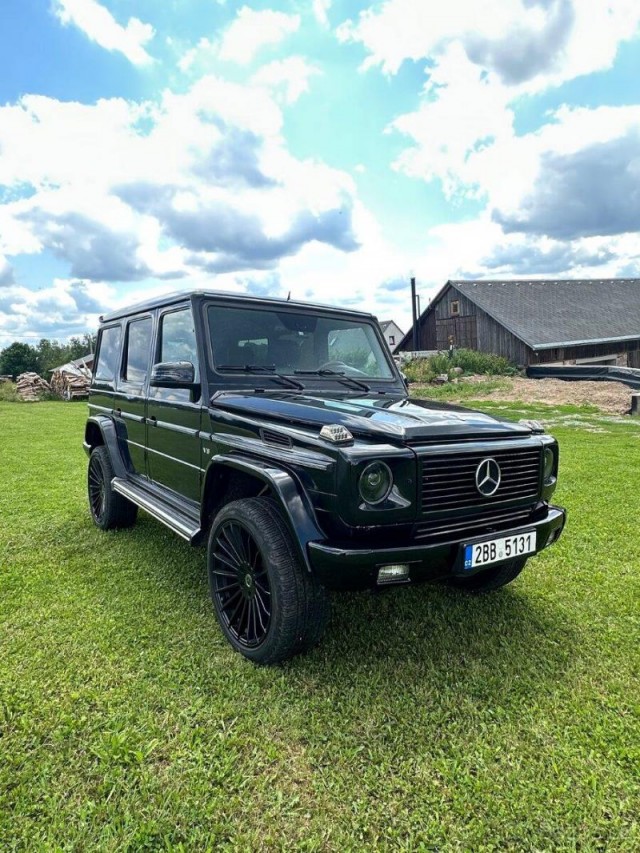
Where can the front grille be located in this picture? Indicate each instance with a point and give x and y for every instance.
(454, 529)
(449, 480)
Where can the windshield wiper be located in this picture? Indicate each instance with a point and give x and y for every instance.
(340, 375)
(269, 369)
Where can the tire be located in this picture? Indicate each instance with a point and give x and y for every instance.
(490, 579)
(108, 509)
(268, 605)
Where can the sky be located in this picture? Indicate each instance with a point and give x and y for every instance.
(329, 149)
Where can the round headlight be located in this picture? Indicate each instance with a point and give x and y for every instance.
(549, 463)
(375, 483)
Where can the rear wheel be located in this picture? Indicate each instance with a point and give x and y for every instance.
(108, 508)
(268, 605)
(490, 579)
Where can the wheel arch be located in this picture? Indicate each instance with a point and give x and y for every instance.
(296, 508)
(100, 430)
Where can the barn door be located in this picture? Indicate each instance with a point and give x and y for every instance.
(462, 330)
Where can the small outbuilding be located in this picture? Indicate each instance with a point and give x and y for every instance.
(549, 321)
(392, 332)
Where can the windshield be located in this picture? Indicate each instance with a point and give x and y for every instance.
(292, 342)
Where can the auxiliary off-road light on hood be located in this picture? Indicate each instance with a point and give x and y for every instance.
(336, 434)
(395, 573)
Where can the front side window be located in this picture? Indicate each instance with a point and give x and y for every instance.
(293, 342)
(136, 363)
(177, 343)
(178, 337)
(109, 354)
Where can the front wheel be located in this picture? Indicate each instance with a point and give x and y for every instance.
(490, 579)
(268, 605)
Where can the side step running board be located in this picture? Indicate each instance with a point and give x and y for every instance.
(181, 523)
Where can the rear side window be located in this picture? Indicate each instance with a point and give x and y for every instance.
(109, 354)
(136, 363)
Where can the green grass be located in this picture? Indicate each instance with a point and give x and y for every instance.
(426, 720)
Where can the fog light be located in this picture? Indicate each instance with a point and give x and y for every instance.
(551, 538)
(394, 573)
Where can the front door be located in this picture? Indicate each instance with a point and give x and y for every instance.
(173, 414)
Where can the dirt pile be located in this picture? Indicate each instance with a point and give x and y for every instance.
(610, 397)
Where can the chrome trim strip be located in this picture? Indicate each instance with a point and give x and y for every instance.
(194, 433)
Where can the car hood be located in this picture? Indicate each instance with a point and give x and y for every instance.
(396, 419)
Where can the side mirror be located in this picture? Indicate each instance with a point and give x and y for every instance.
(405, 380)
(173, 374)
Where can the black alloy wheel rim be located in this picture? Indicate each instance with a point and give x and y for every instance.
(240, 585)
(97, 489)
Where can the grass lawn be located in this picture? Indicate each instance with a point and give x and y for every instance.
(427, 720)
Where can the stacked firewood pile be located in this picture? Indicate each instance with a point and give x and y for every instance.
(31, 387)
(71, 382)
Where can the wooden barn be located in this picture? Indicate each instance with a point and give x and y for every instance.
(536, 321)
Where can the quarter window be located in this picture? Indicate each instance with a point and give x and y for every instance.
(137, 353)
(109, 353)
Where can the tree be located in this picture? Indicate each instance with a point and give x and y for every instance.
(79, 347)
(18, 358)
(50, 354)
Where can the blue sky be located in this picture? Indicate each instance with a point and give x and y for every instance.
(328, 148)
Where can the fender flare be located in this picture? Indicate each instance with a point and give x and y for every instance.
(298, 512)
(110, 439)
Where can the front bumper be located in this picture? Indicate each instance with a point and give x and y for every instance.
(341, 568)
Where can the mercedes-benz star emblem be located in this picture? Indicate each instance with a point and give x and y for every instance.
(488, 477)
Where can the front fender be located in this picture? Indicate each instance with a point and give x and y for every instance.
(295, 505)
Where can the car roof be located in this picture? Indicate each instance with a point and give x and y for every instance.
(184, 295)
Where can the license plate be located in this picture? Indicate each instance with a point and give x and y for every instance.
(494, 550)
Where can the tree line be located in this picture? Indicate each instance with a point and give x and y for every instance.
(44, 356)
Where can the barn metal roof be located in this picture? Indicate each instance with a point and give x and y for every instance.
(560, 312)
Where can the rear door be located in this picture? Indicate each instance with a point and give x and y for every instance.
(130, 397)
(173, 414)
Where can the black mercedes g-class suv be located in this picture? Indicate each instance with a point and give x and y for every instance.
(282, 435)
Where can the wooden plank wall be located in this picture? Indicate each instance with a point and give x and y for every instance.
(473, 328)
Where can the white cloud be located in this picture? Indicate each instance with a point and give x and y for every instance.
(201, 181)
(99, 25)
(320, 10)
(542, 42)
(251, 30)
(462, 111)
(287, 78)
(66, 308)
(203, 51)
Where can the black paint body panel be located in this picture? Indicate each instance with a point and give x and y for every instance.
(186, 444)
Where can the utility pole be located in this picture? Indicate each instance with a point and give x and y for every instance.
(413, 314)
